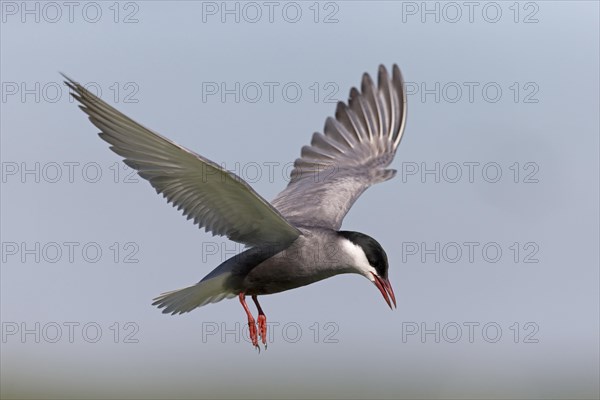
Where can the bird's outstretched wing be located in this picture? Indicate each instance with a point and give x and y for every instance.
(214, 198)
(352, 155)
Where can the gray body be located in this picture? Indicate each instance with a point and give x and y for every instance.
(295, 239)
(315, 255)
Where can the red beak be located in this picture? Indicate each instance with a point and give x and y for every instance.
(386, 290)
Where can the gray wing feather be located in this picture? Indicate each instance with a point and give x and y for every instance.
(352, 154)
(214, 198)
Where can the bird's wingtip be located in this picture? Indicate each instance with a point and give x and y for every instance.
(67, 79)
(72, 84)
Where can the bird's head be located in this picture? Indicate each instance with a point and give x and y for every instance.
(369, 260)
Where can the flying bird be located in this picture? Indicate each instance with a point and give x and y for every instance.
(294, 240)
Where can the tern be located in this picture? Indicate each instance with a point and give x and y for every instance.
(295, 240)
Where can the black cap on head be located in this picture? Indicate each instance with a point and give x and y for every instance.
(373, 250)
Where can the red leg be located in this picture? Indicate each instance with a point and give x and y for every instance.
(251, 322)
(262, 322)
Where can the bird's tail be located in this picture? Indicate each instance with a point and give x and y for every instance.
(204, 292)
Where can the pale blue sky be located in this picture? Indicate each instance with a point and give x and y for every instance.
(519, 98)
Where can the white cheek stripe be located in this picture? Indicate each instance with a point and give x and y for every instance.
(359, 259)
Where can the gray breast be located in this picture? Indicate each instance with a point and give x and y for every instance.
(314, 256)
